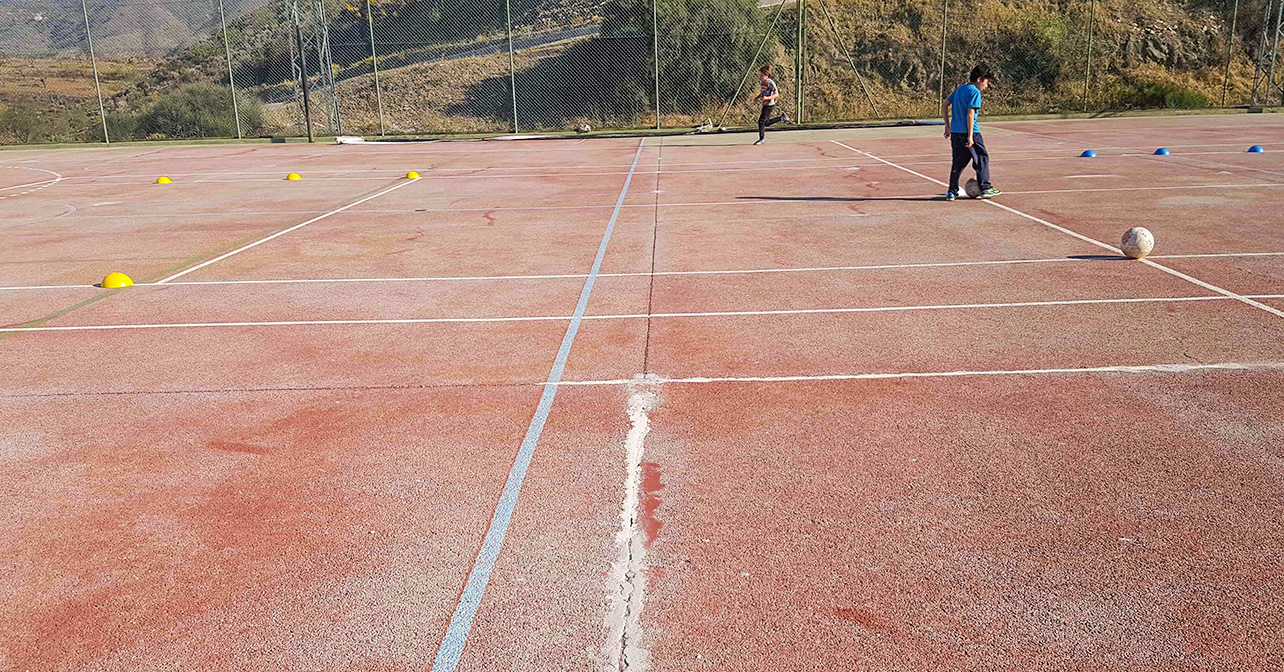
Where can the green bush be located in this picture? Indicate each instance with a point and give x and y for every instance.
(27, 124)
(120, 127)
(1164, 94)
(22, 123)
(199, 111)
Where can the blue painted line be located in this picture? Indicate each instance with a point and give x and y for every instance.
(461, 623)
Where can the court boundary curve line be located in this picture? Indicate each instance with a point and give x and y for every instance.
(461, 620)
(1209, 286)
(35, 186)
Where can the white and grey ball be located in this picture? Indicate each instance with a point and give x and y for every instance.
(1137, 242)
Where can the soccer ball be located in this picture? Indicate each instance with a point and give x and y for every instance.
(972, 189)
(1137, 242)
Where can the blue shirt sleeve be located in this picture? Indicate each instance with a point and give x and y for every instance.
(974, 97)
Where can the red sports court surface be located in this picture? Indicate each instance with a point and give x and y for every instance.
(671, 404)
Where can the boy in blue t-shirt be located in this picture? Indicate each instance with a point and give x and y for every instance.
(961, 111)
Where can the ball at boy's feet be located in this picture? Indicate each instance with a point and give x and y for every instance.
(972, 189)
(1137, 242)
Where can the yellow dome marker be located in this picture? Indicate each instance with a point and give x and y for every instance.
(412, 175)
(294, 177)
(116, 281)
(164, 180)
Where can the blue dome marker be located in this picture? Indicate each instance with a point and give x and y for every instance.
(1088, 154)
(1256, 149)
(1162, 151)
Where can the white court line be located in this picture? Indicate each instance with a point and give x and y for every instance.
(289, 323)
(1143, 368)
(1132, 150)
(1218, 254)
(1177, 128)
(1176, 158)
(1211, 287)
(285, 231)
(430, 174)
(902, 309)
(559, 276)
(775, 202)
(639, 316)
(1218, 164)
(29, 184)
(481, 171)
(1251, 185)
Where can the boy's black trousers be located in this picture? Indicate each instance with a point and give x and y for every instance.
(963, 155)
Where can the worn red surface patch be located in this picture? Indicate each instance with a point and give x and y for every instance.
(865, 619)
(650, 502)
(278, 531)
(998, 523)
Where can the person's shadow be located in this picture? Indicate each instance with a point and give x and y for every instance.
(843, 199)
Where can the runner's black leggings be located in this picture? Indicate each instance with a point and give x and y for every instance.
(765, 119)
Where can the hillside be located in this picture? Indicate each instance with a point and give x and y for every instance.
(439, 73)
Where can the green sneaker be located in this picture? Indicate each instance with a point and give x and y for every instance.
(990, 193)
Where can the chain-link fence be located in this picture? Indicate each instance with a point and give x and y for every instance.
(110, 70)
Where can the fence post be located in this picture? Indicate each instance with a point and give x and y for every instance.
(303, 71)
(945, 15)
(512, 70)
(655, 47)
(93, 60)
(1230, 49)
(1087, 76)
(798, 67)
(374, 57)
(231, 80)
(1261, 53)
(1275, 49)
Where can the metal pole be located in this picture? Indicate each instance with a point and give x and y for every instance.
(945, 15)
(325, 67)
(798, 67)
(231, 81)
(655, 45)
(847, 52)
(1275, 48)
(374, 57)
(1230, 47)
(512, 71)
(303, 68)
(1261, 51)
(1270, 81)
(1087, 76)
(89, 37)
(766, 36)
